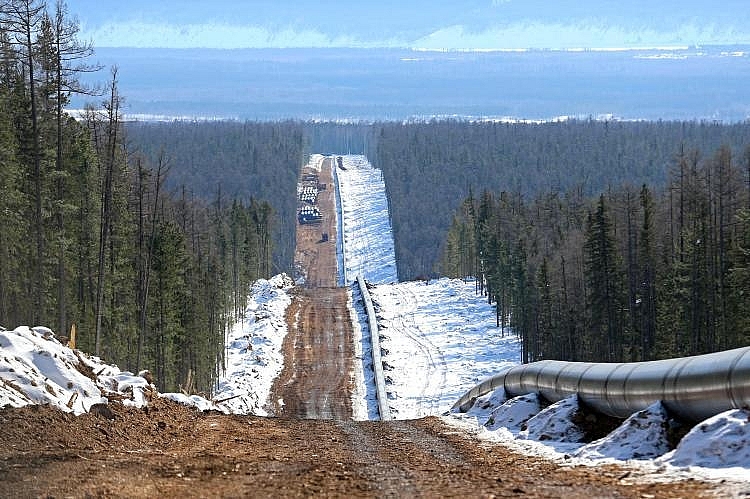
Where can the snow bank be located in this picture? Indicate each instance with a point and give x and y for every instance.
(722, 441)
(514, 414)
(555, 423)
(254, 356)
(716, 449)
(368, 238)
(35, 368)
(642, 436)
(364, 398)
(438, 339)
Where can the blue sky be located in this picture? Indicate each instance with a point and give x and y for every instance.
(473, 24)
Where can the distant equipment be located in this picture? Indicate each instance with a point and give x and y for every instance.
(309, 215)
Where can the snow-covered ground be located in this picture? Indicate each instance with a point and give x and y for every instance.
(35, 368)
(254, 357)
(438, 339)
(367, 235)
(364, 399)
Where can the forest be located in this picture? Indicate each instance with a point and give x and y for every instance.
(97, 238)
(430, 167)
(633, 273)
(143, 238)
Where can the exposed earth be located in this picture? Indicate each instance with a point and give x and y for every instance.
(312, 449)
(170, 450)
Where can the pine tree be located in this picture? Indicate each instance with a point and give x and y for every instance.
(647, 292)
(603, 284)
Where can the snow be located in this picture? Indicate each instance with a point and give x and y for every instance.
(438, 339)
(35, 368)
(642, 436)
(367, 235)
(254, 356)
(555, 423)
(514, 413)
(364, 400)
(722, 441)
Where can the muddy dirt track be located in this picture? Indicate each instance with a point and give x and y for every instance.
(317, 379)
(168, 450)
(172, 451)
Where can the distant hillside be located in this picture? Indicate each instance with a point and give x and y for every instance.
(235, 161)
(430, 168)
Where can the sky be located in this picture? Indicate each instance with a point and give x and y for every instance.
(437, 24)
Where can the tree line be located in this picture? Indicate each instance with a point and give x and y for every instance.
(93, 234)
(430, 167)
(631, 274)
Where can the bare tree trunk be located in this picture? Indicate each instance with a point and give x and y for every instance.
(149, 251)
(113, 124)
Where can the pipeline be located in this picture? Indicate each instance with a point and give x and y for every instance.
(377, 362)
(692, 388)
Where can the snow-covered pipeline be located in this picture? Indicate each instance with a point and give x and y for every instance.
(694, 388)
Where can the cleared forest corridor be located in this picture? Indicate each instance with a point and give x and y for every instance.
(312, 449)
(316, 382)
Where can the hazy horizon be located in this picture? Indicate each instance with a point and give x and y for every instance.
(472, 24)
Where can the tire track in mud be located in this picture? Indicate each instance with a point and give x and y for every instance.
(316, 381)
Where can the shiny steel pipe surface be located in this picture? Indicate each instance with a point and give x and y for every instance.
(693, 388)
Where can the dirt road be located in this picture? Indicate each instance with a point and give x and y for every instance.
(316, 382)
(173, 451)
(314, 256)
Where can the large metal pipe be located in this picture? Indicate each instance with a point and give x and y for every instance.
(693, 388)
(377, 362)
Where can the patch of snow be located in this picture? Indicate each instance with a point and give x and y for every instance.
(514, 414)
(438, 340)
(642, 436)
(196, 401)
(35, 368)
(485, 405)
(722, 441)
(254, 357)
(364, 399)
(555, 423)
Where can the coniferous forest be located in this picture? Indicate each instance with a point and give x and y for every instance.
(597, 240)
(635, 273)
(99, 234)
